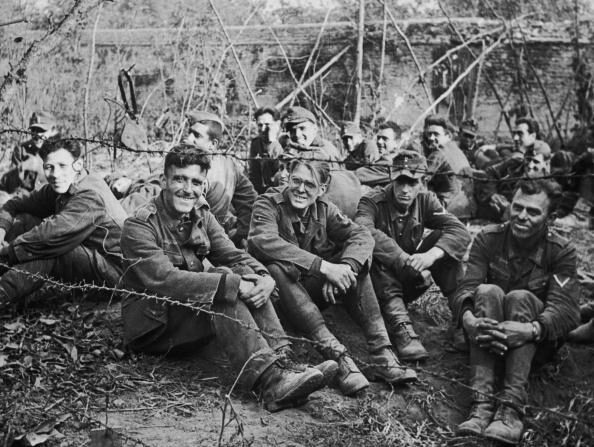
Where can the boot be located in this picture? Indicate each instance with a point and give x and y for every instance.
(350, 379)
(385, 366)
(482, 382)
(583, 333)
(282, 388)
(286, 359)
(407, 342)
(507, 425)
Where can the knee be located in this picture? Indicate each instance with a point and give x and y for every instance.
(521, 305)
(490, 291)
(277, 272)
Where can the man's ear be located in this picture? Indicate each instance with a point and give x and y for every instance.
(215, 144)
(78, 165)
(324, 188)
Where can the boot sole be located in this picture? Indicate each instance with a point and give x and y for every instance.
(397, 381)
(298, 395)
(413, 358)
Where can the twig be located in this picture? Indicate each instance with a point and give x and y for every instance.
(477, 85)
(410, 49)
(459, 79)
(235, 55)
(88, 162)
(315, 76)
(311, 54)
(359, 72)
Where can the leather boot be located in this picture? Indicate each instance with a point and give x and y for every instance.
(287, 360)
(507, 425)
(583, 333)
(407, 342)
(350, 378)
(385, 366)
(282, 388)
(482, 382)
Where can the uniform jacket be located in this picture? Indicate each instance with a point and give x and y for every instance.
(379, 173)
(549, 272)
(366, 152)
(158, 264)
(319, 149)
(87, 214)
(502, 178)
(444, 165)
(327, 234)
(263, 163)
(377, 212)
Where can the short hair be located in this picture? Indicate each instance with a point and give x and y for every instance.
(535, 186)
(55, 144)
(184, 155)
(391, 125)
(267, 109)
(533, 126)
(215, 129)
(441, 121)
(319, 169)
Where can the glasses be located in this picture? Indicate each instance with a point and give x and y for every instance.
(296, 182)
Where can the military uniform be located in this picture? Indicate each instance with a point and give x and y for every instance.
(165, 256)
(263, 163)
(444, 165)
(73, 236)
(293, 248)
(365, 153)
(509, 282)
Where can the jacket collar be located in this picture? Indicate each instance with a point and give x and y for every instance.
(75, 186)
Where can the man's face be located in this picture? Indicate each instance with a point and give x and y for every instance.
(39, 135)
(386, 140)
(528, 213)
(303, 133)
(61, 170)
(435, 137)
(268, 128)
(350, 142)
(198, 136)
(466, 141)
(303, 188)
(522, 136)
(182, 187)
(536, 166)
(405, 189)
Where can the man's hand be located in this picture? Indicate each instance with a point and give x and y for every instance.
(261, 289)
(339, 275)
(499, 202)
(422, 261)
(478, 329)
(328, 292)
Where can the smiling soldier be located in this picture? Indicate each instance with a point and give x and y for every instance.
(518, 300)
(69, 229)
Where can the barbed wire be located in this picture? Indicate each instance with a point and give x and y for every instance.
(82, 286)
(478, 175)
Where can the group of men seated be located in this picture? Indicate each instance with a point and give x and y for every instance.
(215, 253)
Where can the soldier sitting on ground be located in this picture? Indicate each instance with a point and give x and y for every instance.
(517, 302)
(265, 149)
(387, 139)
(26, 171)
(69, 229)
(166, 246)
(403, 261)
(360, 152)
(317, 255)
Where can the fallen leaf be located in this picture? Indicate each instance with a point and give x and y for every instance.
(14, 327)
(3, 360)
(48, 321)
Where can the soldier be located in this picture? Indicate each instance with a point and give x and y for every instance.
(304, 139)
(69, 229)
(26, 170)
(360, 152)
(444, 158)
(517, 301)
(396, 215)
(501, 179)
(166, 246)
(317, 255)
(468, 140)
(265, 149)
(387, 139)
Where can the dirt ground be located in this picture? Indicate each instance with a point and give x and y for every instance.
(66, 380)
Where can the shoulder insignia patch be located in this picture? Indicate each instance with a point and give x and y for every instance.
(561, 281)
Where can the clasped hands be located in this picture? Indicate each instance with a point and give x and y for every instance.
(497, 337)
(339, 279)
(254, 290)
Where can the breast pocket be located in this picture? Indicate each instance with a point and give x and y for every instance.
(499, 274)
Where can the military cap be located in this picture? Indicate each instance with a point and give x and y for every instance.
(42, 120)
(296, 115)
(469, 126)
(409, 163)
(438, 120)
(349, 129)
(197, 116)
